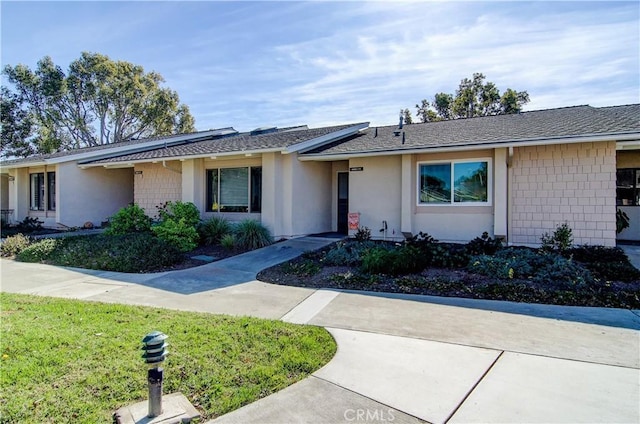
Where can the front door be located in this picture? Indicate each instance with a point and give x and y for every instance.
(343, 202)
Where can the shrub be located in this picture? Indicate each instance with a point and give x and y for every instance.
(608, 263)
(178, 234)
(347, 254)
(563, 273)
(228, 241)
(523, 263)
(130, 219)
(136, 252)
(622, 221)
(38, 251)
(250, 234)
(302, 268)
(29, 225)
(560, 240)
(404, 260)
(212, 230)
(362, 234)
(14, 245)
(511, 262)
(422, 240)
(179, 210)
(483, 245)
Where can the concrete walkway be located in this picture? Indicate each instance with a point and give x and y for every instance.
(404, 359)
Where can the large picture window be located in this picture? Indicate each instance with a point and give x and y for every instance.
(628, 187)
(234, 189)
(456, 182)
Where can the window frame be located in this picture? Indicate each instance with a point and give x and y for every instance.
(41, 189)
(635, 188)
(452, 163)
(250, 193)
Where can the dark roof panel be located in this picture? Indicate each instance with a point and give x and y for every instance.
(573, 121)
(244, 142)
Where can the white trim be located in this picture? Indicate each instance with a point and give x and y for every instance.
(218, 156)
(628, 145)
(452, 162)
(618, 138)
(305, 146)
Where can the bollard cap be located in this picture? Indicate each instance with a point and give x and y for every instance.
(155, 347)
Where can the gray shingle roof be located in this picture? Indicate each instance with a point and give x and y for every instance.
(576, 121)
(244, 142)
(105, 147)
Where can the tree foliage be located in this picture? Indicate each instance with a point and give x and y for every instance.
(16, 125)
(406, 116)
(474, 97)
(98, 101)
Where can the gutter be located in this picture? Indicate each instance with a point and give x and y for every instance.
(625, 139)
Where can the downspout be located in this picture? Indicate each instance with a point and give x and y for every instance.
(509, 191)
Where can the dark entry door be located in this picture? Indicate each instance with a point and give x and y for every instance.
(343, 202)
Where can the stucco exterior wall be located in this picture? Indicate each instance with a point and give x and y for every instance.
(629, 159)
(154, 185)
(311, 197)
(92, 194)
(375, 193)
(572, 183)
(19, 193)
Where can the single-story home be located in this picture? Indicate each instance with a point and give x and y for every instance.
(513, 176)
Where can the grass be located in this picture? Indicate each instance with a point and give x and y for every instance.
(73, 361)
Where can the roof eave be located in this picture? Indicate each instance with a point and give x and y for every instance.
(120, 150)
(130, 163)
(618, 137)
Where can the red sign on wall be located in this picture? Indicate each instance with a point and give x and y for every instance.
(354, 220)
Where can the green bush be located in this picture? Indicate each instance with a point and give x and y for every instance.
(179, 210)
(14, 245)
(212, 230)
(347, 253)
(559, 241)
(302, 267)
(30, 225)
(177, 233)
(250, 234)
(228, 241)
(38, 251)
(130, 219)
(483, 245)
(362, 234)
(135, 252)
(607, 263)
(403, 260)
(549, 269)
(563, 273)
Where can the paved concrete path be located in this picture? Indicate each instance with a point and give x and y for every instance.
(404, 359)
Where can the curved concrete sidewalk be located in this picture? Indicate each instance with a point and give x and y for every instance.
(400, 358)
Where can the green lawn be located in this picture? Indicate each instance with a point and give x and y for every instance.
(74, 361)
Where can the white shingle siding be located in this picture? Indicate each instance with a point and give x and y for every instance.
(573, 183)
(156, 185)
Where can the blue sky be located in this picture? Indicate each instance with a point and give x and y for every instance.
(251, 64)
